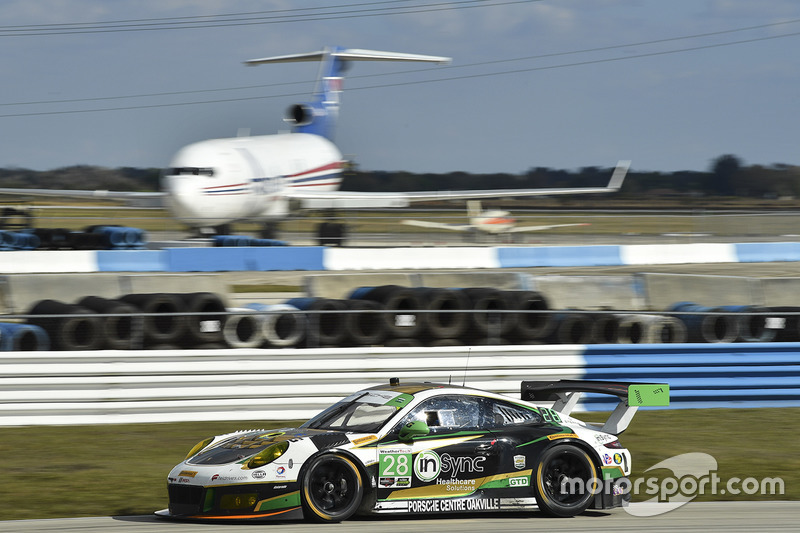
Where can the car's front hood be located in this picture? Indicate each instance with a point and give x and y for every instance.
(238, 446)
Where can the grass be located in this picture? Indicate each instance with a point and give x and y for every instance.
(388, 222)
(70, 471)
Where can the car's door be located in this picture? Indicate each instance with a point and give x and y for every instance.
(451, 462)
(519, 432)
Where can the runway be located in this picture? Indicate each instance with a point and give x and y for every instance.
(695, 516)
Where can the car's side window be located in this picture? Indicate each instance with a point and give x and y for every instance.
(508, 414)
(447, 413)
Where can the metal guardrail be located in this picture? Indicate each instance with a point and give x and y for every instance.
(104, 387)
(101, 387)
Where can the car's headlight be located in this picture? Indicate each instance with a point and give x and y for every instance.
(199, 446)
(267, 455)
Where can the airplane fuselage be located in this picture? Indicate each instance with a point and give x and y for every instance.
(493, 221)
(220, 181)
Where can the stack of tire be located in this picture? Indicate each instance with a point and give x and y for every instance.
(91, 238)
(134, 321)
(732, 323)
(451, 317)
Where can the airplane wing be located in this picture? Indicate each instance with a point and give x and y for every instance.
(520, 229)
(352, 199)
(437, 225)
(129, 196)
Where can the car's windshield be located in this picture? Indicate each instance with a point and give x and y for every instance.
(365, 411)
(353, 416)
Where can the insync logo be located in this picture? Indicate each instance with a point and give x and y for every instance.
(427, 465)
(457, 465)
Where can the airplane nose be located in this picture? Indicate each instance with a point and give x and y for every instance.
(182, 196)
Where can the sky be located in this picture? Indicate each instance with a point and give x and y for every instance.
(566, 84)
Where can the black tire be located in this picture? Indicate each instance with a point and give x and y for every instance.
(447, 319)
(365, 329)
(124, 332)
(556, 465)
(207, 328)
(158, 330)
(332, 489)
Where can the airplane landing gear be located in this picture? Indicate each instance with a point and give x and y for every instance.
(331, 234)
(269, 231)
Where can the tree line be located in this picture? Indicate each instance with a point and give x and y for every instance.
(727, 176)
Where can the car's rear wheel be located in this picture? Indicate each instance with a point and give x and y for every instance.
(332, 488)
(564, 482)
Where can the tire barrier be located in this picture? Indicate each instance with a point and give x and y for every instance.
(22, 338)
(123, 329)
(326, 326)
(495, 316)
(53, 238)
(443, 319)
(70, 329)
(205, 328)
(19, 240)
(533, 320)
(572, 328)
(706, 327)
(787, 326)
(164, 323)
(243, 330)
(605, 329)
(244, 240)
(118, 237)
(384, 315)
(752, 327)
(92, 238)
(402, 305)
(281, 325)
(365, 324)
(649, 329)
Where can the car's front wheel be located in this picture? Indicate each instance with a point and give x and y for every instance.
(332, 488)
(565, 480)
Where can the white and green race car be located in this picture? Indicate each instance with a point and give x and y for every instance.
(419, 448)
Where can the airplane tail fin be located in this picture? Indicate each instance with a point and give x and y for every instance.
(319, 116)
(473, 208)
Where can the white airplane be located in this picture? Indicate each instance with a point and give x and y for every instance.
(490, 221)
(211, 184)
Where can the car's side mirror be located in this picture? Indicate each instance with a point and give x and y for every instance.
(414, 429)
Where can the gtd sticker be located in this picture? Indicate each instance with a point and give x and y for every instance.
(427, 465)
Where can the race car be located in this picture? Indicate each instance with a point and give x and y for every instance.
(414, 448)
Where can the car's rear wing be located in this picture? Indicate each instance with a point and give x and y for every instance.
(565, 393)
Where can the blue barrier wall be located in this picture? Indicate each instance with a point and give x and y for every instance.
(221, 259)
(554, 256)
(703, 375)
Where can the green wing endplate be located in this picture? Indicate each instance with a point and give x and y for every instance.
(648, 395)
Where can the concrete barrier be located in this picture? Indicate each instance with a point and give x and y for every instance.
(190, 259)
(662, 290)
(592, 292)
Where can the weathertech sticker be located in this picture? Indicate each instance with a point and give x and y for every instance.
(562, 436)
(394, 469)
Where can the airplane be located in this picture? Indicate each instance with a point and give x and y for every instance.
(211, 184)
(490, 221)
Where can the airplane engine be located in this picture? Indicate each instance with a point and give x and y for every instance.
(300, 115)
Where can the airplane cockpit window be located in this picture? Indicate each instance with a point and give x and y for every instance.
(190, 171)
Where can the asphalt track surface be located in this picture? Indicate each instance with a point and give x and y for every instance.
(695, 516)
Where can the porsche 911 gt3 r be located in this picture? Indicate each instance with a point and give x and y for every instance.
(419, 448)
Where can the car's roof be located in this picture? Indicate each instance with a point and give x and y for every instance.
(415, 388)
